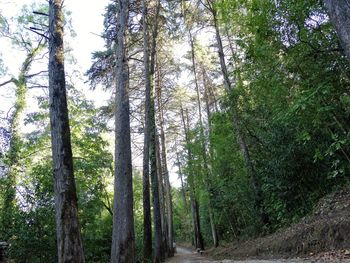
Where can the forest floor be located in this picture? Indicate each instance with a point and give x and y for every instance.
(322, 237)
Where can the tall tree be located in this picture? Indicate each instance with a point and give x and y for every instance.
(33, 45)
(123, 244)
(147, 226)
(162, 201)
(164, 165)
(150, 129)
(237, 124)
(13, 154)
(206, 169)
(339, 14)
(69, 243)
(197, 234)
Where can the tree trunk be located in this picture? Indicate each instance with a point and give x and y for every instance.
(214, 233)
(149, 64)
(237, 126)
(339, 14)
(204, 151)
(212, 224)
(123, 244)
(183, 191)
(69, 243)
(147, 225)
(167, 186)
(158, 249)
(198, 239)
(163, 214)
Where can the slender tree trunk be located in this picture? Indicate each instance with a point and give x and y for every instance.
(183, 191)
(158, 248)
(167, 187)
(150, 147)
(147, 225)
(163, 214)
(204, 151)
(206, 98)
(339, 14)
(123, 244)
(198, 239)
(212, 224)
(69, 243)
(214, 233)
(168, 198)
(237, 126)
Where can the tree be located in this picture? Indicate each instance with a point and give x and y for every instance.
(206, 169)
(237, 124)
(197, 234)
(13, 154)
(147, 226)
(123, 247)
(33, 47)
(69, 243)
(164, 166)
(150, 151)
(339, 11)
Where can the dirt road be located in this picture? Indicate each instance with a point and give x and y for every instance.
(185, 255)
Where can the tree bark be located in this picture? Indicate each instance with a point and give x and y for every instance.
(167, 186)
(183, 191)
(203, 146)
(163, 214)
(198, 239)
(147, 225)
(339, 14)
(158, 248)
(123, 244)
(69, 243)
(150, 138)
(212, 224)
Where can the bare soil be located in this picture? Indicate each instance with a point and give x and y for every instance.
(185, 255)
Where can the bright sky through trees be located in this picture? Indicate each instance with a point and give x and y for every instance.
(87, 23)
(86, 19)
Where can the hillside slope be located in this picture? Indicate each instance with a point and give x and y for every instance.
(325, 232)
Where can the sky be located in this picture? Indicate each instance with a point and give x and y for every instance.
(87, 22)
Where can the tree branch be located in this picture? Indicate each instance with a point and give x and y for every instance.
(7, 82)
(40, 13)
(35, 74)
(40, 34)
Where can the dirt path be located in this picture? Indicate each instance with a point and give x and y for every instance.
(185, 255)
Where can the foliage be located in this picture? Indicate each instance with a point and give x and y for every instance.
(290, 93)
